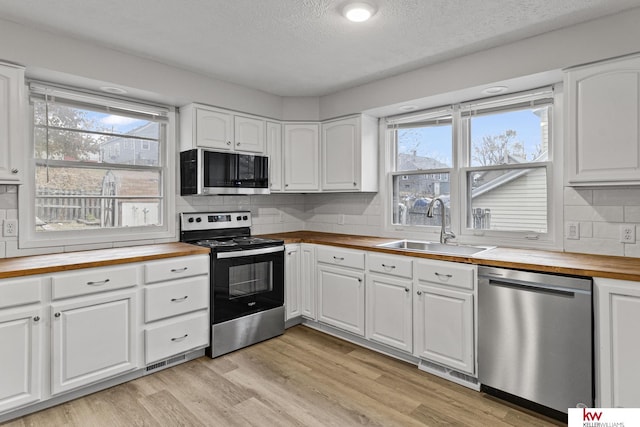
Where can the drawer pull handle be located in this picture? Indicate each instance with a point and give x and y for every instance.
(179, 299)
(338, 258)
(179, 338)
(419, 292)
(448, 276)
(57, 314)
(179, 270)
(389, 267)
(99, 283)
(36, 319)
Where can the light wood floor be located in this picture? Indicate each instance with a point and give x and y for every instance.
(303, 378)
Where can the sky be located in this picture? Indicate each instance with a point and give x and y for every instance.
(437, 139)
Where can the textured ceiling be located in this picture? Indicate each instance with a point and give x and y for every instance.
(302, 47)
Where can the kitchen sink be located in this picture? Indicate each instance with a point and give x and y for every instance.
(435, 248)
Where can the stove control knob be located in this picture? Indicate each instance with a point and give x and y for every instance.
(198, 219)
(245, 217)
(238, 218)
(190, 219)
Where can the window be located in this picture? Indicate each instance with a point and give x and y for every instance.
(423, 161)
(488, 161)
(88, 176)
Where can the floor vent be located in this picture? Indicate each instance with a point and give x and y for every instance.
(449, 374)
(166, 363)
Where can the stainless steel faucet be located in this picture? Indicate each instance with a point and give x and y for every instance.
(444, 234)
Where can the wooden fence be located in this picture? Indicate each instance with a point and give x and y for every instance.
(68, 205)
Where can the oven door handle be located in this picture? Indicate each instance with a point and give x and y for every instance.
(250, 252)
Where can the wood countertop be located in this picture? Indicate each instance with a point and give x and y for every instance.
(613, 267)
(51, 263)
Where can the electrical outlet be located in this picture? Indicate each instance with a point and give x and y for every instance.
(573, 231)
(628, 233)
(10, 228)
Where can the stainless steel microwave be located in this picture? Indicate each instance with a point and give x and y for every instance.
(212, 172)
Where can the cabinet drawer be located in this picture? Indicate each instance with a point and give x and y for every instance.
(92, 281)
(400, 266)
(176, 337)
(176, 268)
(19, 292)
(342, 257)
(446, 273)
(177, 297)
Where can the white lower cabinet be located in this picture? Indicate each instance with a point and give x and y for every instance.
(93, 338)
(617, 316)
(292, 286)
(21, 333)
(341, 298)
(389, 311)
(308, 296)
(443, 309)
(176, 308)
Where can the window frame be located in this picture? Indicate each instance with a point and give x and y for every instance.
(29, 238)
(459, 199)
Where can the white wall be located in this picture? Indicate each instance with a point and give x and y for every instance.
(591, 41)
(38, 50)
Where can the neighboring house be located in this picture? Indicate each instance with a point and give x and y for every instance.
(132, 150)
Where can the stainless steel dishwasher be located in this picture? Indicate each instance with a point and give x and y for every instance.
(535, 338)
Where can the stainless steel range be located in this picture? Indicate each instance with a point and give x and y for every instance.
(247, 278)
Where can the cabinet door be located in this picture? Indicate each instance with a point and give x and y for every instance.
(249, 134)
(293, 297)
(301, 166)
(341, 298)
(389, 311)
(92, 339)
(214, 129)
(20, 368)
(341, 157)
(308, 281)
(11, 102)
(274, 151)
(443, 326)
(603, 121)
(618, 343)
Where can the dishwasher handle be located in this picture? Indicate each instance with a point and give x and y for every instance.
(534, 287)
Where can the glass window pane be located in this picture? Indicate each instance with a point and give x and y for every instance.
(76, 134)
(508, 200)
(510, 137)
(424, 147)
(84, 198)
(412, 195)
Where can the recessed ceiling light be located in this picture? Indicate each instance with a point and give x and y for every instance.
(113, 89)
(494, 90)
(358, 12)
(407, 107)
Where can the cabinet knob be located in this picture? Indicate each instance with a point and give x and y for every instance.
(14, 171)
(36, 319)
(355, 184)
(419, 292)
(237, 143)
(286, 185)
(407, 290)
(228, 142)
(57, 314)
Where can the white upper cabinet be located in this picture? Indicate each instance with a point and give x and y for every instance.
(274, 151)
(301, 157)
(222, 130)
(11, 123)
(603, 118)
(249, 134)
(350, 154)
